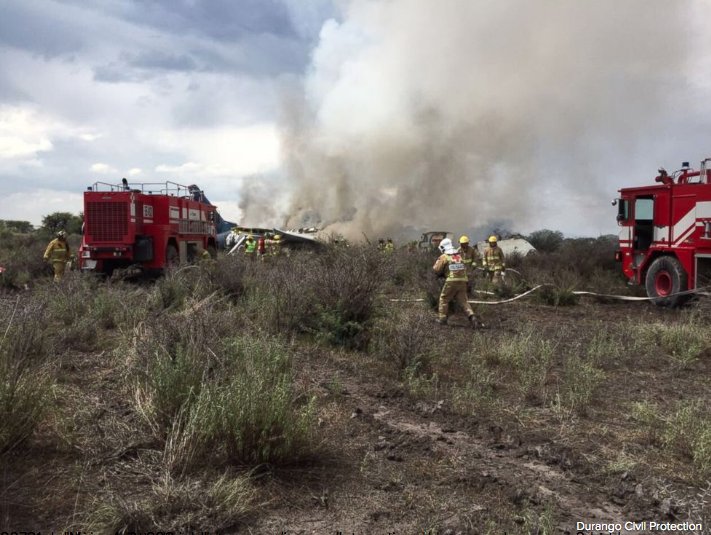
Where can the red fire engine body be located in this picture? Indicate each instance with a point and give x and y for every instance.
(150, 226)
(665, 239)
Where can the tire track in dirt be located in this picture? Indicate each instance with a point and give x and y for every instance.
(511, 468)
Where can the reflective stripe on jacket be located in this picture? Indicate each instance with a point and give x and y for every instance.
(250, 246)
(469, 256)
(494, 259)
(57, 251)
(453, 265)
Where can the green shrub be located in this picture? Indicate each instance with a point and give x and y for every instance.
(332, 295)
(21, 256)
(257, 418)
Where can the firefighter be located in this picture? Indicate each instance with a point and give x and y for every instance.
(250, 247)
(275, 245)
(205, 255)
(389, 246)
(450, 265)
(381, 244)
(58, 254)
(493, 262)
(470, 258)
(261, 247)
(470, 255)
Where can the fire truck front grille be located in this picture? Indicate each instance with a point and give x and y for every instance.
(107, 221)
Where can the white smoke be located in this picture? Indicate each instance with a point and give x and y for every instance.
(457, 113)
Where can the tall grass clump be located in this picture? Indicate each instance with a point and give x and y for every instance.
(279, 294)
(687, 432)
(26, 377)
(579, 382)
(171, 358)
(70, 305)
(682, 343)
(207, 392)
(178, 505)
(257, 415)
(529, 356)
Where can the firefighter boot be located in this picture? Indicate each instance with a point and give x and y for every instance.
(442, 321)
(474, 323)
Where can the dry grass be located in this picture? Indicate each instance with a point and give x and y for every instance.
(216, 368)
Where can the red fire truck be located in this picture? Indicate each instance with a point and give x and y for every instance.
(665, 239)
(149, 226)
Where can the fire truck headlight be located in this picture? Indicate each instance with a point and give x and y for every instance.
(86, 254)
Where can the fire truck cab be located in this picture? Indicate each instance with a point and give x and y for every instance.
(665, 236)
(150, 226)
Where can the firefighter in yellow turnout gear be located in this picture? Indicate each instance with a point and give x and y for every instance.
(250, 247)
(451, 265)
(470, 258)
(494, 262)
(58, 254)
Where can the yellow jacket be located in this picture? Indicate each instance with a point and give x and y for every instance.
(57, 251)
(456, 270)
(494, 259)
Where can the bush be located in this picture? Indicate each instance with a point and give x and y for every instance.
(547, 241)
(331, 295)
(402, 339)
(21, 256)
(26, 379)
(205, 392)
(171, 358)
(255, 414)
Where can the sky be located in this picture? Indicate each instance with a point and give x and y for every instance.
(360, 116)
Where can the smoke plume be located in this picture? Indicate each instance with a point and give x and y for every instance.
(453, 114)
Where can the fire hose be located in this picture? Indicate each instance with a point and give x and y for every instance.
(697, 291)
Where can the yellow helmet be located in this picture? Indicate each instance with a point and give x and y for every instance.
(277, 237)
(250, 237)
(492, 239)
(464, 239)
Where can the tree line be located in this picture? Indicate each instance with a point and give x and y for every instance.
(52, 223)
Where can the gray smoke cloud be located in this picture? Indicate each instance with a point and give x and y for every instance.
(454, 114)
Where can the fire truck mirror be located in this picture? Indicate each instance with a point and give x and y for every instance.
(622, 210)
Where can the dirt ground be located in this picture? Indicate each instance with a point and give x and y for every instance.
(400, 458)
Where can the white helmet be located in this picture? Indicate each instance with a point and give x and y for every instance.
(445, 246)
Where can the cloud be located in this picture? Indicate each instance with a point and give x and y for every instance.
(221, 151)
(23, 134)
(102, 169)
(41, 203)
(135, 171)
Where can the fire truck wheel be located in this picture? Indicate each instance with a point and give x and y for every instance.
(666, 277)
(171, 256)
